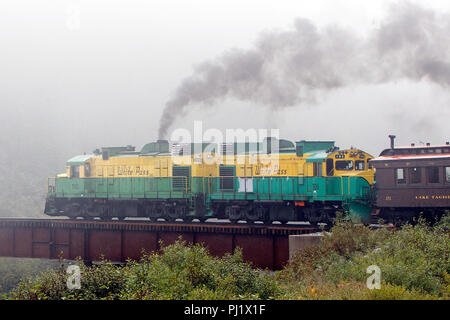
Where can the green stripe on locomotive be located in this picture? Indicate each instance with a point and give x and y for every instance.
(291, 188)
(224, 188)
(127, 188)
(353, 193)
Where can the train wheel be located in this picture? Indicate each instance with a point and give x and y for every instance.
(253, 215)
(154, 212)
(173, 213)
(233, 214)
(89, 211)
(72, 210)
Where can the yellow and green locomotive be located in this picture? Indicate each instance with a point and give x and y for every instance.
(301, 181)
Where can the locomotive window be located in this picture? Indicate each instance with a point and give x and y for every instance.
(75, 171)
(344, 165)
(400, 174)
(433, 175)
(416, 175)
(330, 167)
(359, 165)
(447, 174)
(87, 170)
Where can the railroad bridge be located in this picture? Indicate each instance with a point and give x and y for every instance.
(266, 246)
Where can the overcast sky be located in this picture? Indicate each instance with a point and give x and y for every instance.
(94, 73)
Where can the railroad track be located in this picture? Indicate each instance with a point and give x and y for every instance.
(162, 226)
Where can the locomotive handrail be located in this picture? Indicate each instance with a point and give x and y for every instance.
(51, 185)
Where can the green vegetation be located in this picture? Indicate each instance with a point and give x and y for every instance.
(181, 271)
(414, 263)
(12, 270)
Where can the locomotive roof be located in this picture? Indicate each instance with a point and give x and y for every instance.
(77, 160)
(319, 156)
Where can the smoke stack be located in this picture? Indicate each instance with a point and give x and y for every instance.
(428, 144)
(447, 143)
(392, 141)
(412, 144)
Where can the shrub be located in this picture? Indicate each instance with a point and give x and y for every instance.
(103, 281)
(12, 270)
(189, 272)
(181, 271)
(414, 261)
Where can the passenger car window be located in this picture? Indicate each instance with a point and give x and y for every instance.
(400, 174)
(447, 174)
(433, 175)
(416, 175)
(344, 165)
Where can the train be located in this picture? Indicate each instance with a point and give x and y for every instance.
(275, 180)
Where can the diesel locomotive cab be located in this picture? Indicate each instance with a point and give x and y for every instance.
(356, 180)
(351, 162)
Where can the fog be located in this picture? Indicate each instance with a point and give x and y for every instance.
(78, 75)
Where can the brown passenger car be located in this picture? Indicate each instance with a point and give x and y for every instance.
(412, 180)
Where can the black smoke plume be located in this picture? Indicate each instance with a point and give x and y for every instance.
(296, 66)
